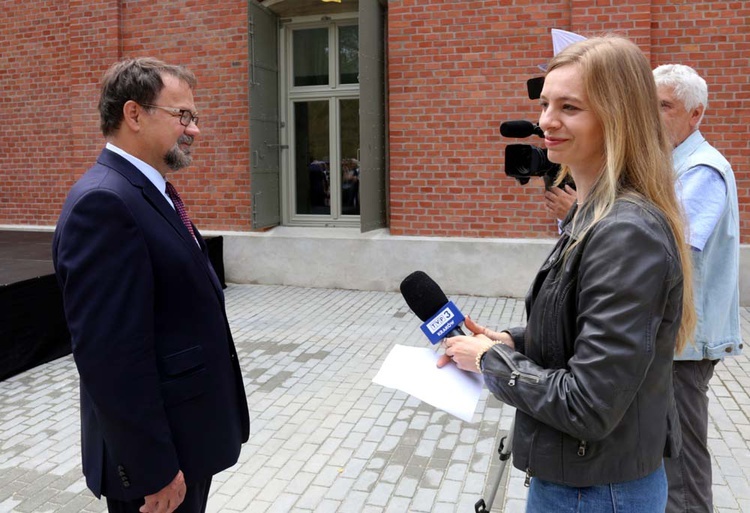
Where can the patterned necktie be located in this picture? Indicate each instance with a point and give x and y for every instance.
(180, 208)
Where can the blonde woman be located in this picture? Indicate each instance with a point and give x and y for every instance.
(590, 374)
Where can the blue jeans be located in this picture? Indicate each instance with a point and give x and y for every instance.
(645, 495)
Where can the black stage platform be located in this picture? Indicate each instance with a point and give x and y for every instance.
(32, 328)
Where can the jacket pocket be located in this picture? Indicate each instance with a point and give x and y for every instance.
(184, 376)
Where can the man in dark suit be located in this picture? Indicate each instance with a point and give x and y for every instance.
(163, 406)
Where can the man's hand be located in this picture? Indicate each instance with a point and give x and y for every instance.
(168, 498)
(559, 201)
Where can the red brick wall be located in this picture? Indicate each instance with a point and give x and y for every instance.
(54, 54)
(209, 37)
(458, 69)
(714, 38)
(46, 124)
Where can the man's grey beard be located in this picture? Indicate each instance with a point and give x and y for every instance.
(177, 159)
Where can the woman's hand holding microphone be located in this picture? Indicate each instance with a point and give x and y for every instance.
(467, 350)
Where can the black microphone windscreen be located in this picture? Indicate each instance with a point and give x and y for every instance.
(518, 129)
(423, 295)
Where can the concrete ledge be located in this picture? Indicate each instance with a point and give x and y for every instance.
(745, 274)
(347, 259)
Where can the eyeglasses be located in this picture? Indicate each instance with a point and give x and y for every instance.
(186, 117)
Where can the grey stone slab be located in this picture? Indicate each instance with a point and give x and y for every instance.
(323, 436)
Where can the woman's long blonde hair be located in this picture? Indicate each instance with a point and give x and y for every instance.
(620, 87)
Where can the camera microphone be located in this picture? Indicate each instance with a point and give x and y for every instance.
(520, 129)
(427, 300)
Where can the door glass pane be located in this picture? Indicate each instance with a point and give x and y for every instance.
(349, 54)
(310, 57)
(311, 143)
(349, 156)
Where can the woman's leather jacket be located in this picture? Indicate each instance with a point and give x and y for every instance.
(591, 376)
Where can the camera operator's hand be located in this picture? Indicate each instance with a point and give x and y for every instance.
(560, 201)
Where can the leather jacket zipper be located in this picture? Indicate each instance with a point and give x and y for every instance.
(582, 448)
(527, 480)
(515, 374)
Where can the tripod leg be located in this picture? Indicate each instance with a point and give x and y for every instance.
(506, 444)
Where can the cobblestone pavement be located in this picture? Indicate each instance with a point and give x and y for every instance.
(324, 438)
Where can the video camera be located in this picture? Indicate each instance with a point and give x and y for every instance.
(523, 161)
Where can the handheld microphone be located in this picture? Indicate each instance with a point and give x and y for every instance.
(520, 129)
(427, 300)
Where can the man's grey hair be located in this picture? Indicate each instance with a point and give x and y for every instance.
(689, 87)
(137, 79)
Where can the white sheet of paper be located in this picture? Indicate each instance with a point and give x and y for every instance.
(413, 370)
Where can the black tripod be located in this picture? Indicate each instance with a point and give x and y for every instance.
(506, 443)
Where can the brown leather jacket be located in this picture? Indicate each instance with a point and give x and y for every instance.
(591, 376)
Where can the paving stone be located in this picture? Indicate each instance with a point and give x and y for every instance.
(398, 505)
(324, 438)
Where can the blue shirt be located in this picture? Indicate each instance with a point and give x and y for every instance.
(703, 194)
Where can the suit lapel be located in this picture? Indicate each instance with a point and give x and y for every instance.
(157, 200)
(150, 192)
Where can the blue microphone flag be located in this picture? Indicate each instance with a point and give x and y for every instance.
(448, 318)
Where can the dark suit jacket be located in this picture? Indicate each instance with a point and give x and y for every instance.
(161, 387)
